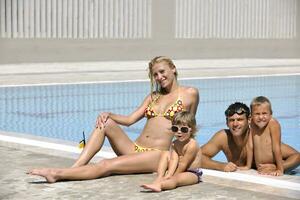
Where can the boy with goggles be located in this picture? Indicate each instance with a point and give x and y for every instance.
(180, 165)
(235, 142)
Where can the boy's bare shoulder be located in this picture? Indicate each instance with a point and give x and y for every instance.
(274, 121)
(274, 124)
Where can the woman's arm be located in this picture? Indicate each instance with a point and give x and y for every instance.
(125, 120)
(275, 132)
(194, 98)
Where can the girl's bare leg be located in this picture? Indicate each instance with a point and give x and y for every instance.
(163, 164)
(182, 179)
(118, 139)
(162, 168)
(127, 164)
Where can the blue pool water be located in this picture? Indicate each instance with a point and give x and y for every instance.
(64, 111)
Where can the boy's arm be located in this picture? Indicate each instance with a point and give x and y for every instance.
(211, 148)
(275, 132)
(188, 157)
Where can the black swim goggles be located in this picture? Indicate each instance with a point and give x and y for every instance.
(183, 129)
(239, 111)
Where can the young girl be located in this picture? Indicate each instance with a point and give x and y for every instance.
(181, 166)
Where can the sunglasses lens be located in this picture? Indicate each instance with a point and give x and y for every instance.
(174, 128)
(184, 129)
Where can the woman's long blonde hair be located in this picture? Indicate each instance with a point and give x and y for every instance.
(154, 61)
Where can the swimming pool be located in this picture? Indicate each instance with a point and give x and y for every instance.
(64, 111)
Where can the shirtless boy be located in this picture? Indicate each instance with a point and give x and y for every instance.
(271, 156)
(235, 142)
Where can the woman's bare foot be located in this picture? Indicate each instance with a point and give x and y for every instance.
(153, 187)
(49, 174)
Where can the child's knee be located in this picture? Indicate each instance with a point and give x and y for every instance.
(165, 155)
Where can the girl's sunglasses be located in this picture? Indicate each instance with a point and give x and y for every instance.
(183, 129)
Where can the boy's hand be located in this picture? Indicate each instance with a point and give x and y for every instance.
(269, 169)
(230, 167)
(266, 169)
(276, 173)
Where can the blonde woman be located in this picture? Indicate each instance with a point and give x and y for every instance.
(166, 98)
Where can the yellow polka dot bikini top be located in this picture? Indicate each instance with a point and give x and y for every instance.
(176, 107)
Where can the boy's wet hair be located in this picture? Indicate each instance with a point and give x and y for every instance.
(260, 100)
(186, 118)
(237, 108)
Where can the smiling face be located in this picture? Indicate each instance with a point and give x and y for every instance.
(238, 124)
(162, 71)
(261, 114)
(163, 74)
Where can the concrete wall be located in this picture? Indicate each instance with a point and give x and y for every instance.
(98, 30)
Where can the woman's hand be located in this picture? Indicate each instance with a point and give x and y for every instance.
(102, 119)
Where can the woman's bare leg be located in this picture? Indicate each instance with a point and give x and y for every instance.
(127, 164)
(118, 139)
(93, 145)
(53, 175)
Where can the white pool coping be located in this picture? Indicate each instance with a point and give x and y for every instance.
(273, 182)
